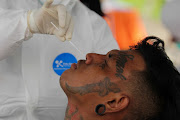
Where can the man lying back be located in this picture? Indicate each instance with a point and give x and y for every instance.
(137, 84)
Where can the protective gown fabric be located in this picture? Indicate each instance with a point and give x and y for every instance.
(29, 87)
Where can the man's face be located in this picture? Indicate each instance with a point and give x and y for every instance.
(101, 75)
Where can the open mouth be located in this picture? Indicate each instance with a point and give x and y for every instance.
(74, 66)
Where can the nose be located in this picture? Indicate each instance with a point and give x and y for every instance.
(94, 58)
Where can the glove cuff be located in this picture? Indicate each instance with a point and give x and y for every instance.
(31, 23)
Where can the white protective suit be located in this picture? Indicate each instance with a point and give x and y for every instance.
(29, 87)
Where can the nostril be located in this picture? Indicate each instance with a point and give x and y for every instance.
(88, 61)
(88, 58)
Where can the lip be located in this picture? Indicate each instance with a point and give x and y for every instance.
(74, 66)
(80, 62)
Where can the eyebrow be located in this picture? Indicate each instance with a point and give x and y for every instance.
(120, 63)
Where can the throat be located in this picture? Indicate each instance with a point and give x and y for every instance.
(73, 113)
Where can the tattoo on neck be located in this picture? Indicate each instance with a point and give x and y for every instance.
(120, 63)
(103, 88)
(81, 118)
(72, 114)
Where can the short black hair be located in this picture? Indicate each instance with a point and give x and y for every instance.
(164, 77)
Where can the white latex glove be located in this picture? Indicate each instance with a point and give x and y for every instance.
(39, 21)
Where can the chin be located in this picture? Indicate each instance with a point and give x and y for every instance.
(62, 84)
(63, 80)
(65, 75)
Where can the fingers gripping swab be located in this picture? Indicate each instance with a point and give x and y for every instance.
(69, 41)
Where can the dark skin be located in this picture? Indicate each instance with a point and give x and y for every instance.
(120, 64)
(72, 113)
(100, 79)
(102, 88)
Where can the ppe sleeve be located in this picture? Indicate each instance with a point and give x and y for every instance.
(103, 37)
(13, 30)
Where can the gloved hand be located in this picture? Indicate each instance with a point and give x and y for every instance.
(41, 20)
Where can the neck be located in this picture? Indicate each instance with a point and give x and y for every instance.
(73, 112)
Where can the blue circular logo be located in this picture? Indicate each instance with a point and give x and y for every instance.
(63, 62)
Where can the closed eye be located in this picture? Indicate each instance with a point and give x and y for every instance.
(110, 55)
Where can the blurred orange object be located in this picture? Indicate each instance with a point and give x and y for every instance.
(126, 27)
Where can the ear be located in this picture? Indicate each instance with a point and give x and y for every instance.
(118, 103)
